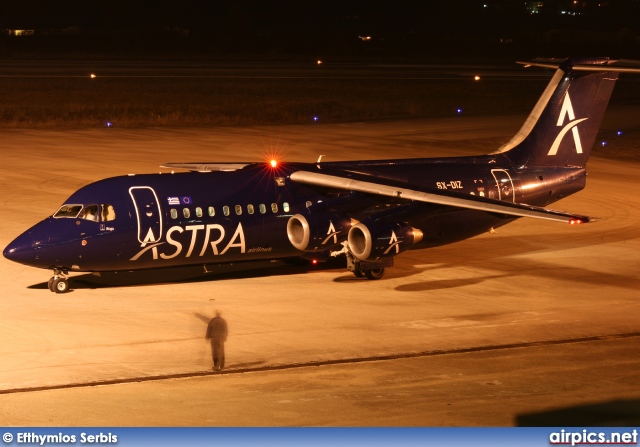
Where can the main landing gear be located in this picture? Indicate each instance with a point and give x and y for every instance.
(59, 282)
(370, 273)
(368, 269)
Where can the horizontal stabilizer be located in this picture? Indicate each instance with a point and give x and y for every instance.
(600, 64)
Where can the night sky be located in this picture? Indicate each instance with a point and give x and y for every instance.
(303, 28)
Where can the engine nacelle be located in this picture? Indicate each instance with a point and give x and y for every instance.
(381, 240)
(317, 232)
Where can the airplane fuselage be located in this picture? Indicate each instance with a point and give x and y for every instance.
(163, 220)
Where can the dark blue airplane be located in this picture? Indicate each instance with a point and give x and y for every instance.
(369, 211)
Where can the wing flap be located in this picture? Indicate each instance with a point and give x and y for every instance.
(440, 198)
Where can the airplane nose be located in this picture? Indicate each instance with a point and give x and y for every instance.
(21, 250)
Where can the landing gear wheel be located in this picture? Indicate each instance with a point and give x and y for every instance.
(374, 273)
(60, 285)
(59, 282)
(358, 272)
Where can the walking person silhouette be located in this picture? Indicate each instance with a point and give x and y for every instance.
(217, 331)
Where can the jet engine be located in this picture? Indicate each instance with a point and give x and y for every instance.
(317, 232)
(381, 240)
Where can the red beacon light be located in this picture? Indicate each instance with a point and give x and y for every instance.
(575, 221)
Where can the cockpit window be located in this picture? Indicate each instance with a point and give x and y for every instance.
(67, 210)
(90, 212)
(107, 212)
(95, 213)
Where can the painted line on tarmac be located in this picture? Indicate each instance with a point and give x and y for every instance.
(347, 361)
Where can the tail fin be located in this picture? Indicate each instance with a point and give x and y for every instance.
(561, 129)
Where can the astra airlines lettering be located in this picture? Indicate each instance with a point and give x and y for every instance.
(207, 238)
(567, 110)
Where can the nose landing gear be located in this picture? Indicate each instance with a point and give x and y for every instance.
(59, 282)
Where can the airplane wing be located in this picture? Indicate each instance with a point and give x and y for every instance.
(384, 188)
(207, 167)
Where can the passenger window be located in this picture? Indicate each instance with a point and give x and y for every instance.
(107, 212)
(250, 209)
(174, 213)
(225, 210)
(186, 213)
(285, 207)
(68, 211)
(90, 212)
(212, 211)
(238, 209)
(198, 212)
(263, 208)
(274, 207)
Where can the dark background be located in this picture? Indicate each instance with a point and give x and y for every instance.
(400, 30)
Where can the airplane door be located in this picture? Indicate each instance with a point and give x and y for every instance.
(148, 212)
(505, 185)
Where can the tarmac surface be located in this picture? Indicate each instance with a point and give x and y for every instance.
(501, 329)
